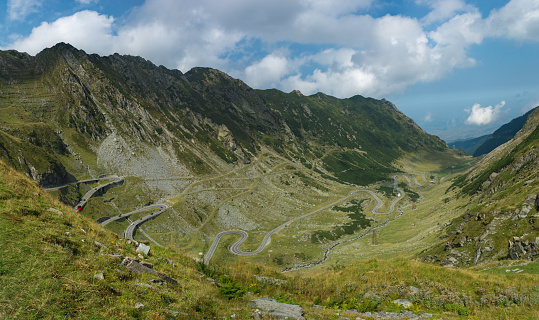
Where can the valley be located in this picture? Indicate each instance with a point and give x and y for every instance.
(341, 203)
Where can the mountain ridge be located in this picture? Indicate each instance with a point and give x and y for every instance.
(121, 86)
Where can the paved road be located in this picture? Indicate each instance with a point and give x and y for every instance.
(89, 194)
(235, 248)
(328, 250)
(133, 226)
(125, 215)
(72, 183)
(115, 179)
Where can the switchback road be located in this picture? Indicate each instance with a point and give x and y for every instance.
(115, 180)
(91, 192)
(235, 248)
(133, 226)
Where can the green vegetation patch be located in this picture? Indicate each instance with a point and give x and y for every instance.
(358, 221)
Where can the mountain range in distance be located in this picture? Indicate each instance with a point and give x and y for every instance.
(484, 144)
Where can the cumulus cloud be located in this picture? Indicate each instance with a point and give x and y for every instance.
(443, 9)
(85, 29)
(482, 116)
(20, 9)
(519, 19)
(357, 53)
(268, 72)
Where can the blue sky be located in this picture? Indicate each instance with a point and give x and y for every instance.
(459, 68)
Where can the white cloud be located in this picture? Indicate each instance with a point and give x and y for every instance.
(87, 2)
(461, 30)
(443, 9)
(359, 53)
(85, 29)
(268, 72)
(428, 117)
(20, 9)
(482, 116)
(519, 20)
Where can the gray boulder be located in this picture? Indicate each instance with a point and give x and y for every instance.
(403, 303)
(144, 249)
(136, 266)
(276, 309)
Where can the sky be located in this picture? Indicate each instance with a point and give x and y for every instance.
(459, 68)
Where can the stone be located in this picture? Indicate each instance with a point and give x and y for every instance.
(270, 280)
(138, 305)
(516, 250)
(276, 309)
(173, 313)
(403, 302)
(414, 289)
(100, 244)
(99, 276)
(147, 264)
(144, 249)
(58, 212)
(135, 266)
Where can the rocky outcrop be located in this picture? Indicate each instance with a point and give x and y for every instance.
(136, 266)
(522, 249)
(276, 309)
(480, 237)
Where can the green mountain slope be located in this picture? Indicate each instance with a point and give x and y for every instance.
(502, 135)
(469, 145)
(216, 151)
(500, 220)
(86, 100)
(57, 264)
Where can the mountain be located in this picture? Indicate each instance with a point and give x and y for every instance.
(104, 110)
(485, 144)
(215, 151)
(500, 220)
(344, 194)
(469, 145)
(502, 135)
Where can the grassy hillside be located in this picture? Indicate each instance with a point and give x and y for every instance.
(498, 218)
(52, 258)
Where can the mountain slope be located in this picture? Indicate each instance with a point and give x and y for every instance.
(94, 106)
(219, 154)
(469, 145)
(500, 220)
(58, 264)
(502, 135)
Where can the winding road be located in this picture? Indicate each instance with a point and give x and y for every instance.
(134, 225)
(235, 248)
(125, 215)
(116, 180)
(91, 192)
